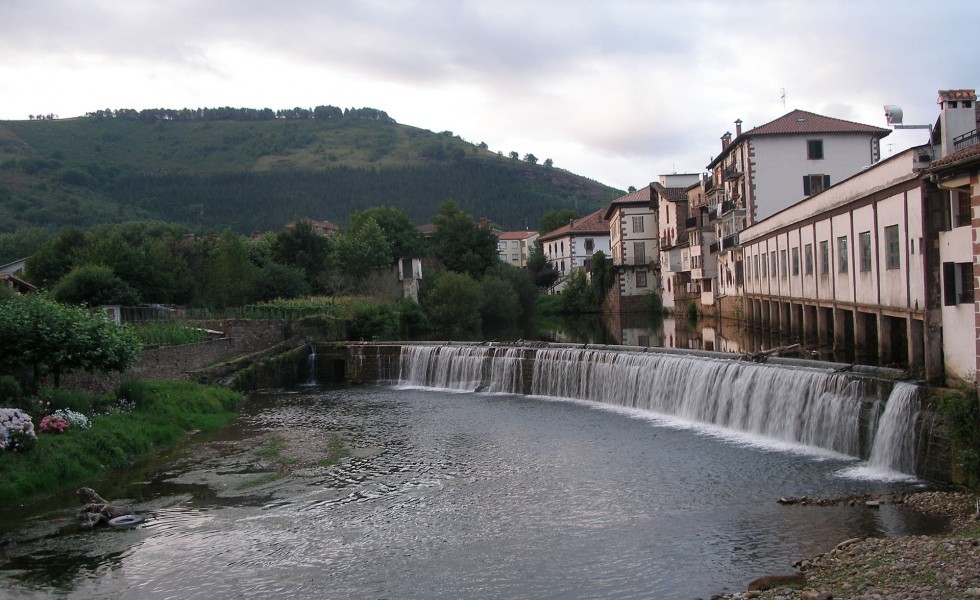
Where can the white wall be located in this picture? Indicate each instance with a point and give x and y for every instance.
(780, 162)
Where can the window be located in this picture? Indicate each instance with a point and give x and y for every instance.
(639, 253)
(782, 263)
(814, 184)
(589, 245)
(514, 244)
(824, 257)
(891, 247)
(864, 246)
(765, 271)
(637, 224)
(513, 257)
(757, 276)
(641, 279)
(814, 149)
(808, 258)
(842, 254)
(962, 208)
(772, 263)
(503, 257)
(796, 261)
(957, 283)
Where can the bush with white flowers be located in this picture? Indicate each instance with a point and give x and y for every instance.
(75, 419)
(16, 430)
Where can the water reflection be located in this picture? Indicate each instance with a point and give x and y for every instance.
(705, 333)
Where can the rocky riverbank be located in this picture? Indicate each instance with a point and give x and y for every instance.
(944, 567)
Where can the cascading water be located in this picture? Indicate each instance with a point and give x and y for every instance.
(894, 444)
(795, 405)
(311, 367)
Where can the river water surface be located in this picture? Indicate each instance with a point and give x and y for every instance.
(451, 495)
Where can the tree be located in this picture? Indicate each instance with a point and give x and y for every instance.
(228, 277)
(522, 284)
(553, 219)
(280, 281)
(451, 303)
(360, 251)
(460, 244)
(499, 304)
(301, 246)
(542, 272)
(530, 158)
(404, 239)
(50, 338)
(548, 163)
(54, 260)
(94, 285)
(514, 155)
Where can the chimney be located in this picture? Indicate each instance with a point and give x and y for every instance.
(738, 127)
(726, 139)
(957, 116)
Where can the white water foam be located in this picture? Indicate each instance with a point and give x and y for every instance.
(775, 407)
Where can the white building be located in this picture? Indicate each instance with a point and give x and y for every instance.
(633, 245)
(568, 247)
(883, 262)
(771, 167)
(513, 247)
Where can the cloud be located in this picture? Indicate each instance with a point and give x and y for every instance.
(624, 87)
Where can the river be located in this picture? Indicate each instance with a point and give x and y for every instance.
(449, 495)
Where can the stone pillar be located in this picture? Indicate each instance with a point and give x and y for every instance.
(916, 344)
(885, 353)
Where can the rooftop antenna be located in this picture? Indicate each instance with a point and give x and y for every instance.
(782, 97)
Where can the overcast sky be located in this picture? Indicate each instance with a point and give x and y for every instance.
(617, 91)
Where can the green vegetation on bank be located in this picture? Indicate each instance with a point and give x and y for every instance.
(139, 418)
(960, 409)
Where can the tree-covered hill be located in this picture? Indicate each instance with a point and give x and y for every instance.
(250, 170)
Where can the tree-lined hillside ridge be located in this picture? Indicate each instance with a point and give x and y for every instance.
(258, 169)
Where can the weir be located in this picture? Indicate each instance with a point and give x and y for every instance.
(861, 412)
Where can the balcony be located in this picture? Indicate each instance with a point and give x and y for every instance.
(967, 139)
(714, 248)
(732, 171)
(730, 241)
(691, 222)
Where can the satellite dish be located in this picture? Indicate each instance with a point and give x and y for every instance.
(893, 114)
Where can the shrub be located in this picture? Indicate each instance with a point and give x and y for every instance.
(53, 424)
(75, 419)
(10, 390)
(16, 430)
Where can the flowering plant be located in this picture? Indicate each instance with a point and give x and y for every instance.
(53, 424)
(16, 430)
(75, 419)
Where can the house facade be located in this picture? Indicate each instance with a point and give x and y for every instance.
(513, 247)
(569, 246)
(884, 263)
(768, 168)
(633, 236)
(956, 175)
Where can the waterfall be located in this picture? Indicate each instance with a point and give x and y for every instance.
(311, 367)
(798, 405)
(462, 368)
(894, 445)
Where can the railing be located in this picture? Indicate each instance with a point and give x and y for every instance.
(727, 206)
(691, 222)
(714, 248)
(730, 241)
(967, 139)
(732, 171)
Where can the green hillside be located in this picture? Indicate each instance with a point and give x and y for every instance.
(259, 174)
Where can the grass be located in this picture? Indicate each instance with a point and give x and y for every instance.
(162, 414)
(168, 334)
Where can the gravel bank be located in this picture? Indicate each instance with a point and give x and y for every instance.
(944, 567)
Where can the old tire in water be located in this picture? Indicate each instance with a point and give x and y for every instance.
(126, 521)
